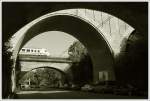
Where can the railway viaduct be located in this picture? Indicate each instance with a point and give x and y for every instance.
(102, 40)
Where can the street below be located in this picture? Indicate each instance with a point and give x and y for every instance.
(67, 94)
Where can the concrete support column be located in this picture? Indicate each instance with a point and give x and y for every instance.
(13, 80)
(13, 75)
(103, 69)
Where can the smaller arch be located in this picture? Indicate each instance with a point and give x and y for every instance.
(50, 68)
(53, 78)
(63, 74)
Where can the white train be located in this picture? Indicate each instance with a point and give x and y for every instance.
(33, 51)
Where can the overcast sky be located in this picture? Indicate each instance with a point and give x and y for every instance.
(55, 42)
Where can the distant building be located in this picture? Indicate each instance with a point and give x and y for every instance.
(34, 51)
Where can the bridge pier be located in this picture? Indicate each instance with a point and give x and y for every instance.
(102, 75)
(103, 66)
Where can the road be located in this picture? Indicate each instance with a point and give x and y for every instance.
(68, 94)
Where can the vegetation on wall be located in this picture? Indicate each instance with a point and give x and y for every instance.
(6, 70)
(132, 62)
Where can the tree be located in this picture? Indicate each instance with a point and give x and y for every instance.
(6, 70)
(77, 51)
(82, 69)
(53, 76)
(43, 77)
(38, 75)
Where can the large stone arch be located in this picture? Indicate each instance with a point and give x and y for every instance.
(100, 45)
(95, 43)
(85, 32)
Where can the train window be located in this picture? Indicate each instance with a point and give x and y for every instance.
(31, 50)
(28, 50)
(34, 50)
(38, 50)
(23, 50)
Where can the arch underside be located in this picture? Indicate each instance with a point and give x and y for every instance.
(85, 30)
(96, 45)
(23, 73)
(112, 29)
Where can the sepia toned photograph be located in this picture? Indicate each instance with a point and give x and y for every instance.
(74, 50)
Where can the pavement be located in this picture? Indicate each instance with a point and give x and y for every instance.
(68, 94)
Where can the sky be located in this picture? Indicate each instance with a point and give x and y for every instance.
(56, 42)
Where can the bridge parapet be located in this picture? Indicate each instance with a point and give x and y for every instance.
(28, 65)
(35, 58)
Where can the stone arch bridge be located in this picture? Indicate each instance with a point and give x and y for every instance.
(102, 34)
(30, 63)
(134, 13)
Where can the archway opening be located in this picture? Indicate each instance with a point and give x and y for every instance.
(98, 48)
(42, 77)
(58, 50)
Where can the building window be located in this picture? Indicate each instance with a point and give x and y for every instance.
(23, 50)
